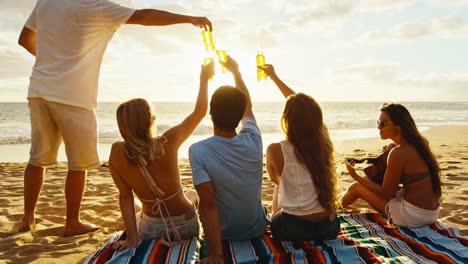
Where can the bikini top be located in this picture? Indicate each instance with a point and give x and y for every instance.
(414, 177)
(158, 204)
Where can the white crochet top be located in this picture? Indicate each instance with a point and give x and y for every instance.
(297, 192)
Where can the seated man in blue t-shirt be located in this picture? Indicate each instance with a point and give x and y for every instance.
(227, 169)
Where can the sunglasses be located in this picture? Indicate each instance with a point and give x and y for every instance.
(383, 123)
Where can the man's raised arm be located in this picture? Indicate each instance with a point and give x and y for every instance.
(154, 17)
(232, 66)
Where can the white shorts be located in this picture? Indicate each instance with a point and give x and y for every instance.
(50, 123)
(403, 213)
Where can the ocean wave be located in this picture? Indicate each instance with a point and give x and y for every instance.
(343, 119)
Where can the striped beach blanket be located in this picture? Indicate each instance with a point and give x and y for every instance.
(148, 251)
(363, 238)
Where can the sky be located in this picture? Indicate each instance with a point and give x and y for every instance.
(348, 50)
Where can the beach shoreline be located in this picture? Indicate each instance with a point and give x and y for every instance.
(45, 243)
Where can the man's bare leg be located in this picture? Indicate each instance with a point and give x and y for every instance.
(33, 179)
(74, 189)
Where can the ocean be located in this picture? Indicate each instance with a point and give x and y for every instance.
(345, 120)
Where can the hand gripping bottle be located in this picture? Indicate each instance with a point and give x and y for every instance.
(209, 47)
(207, 61)
(222, 56)
(208, 40)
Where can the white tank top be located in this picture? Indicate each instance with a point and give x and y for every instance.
(297, 192)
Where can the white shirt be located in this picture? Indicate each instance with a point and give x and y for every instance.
(72, 36)
(297, 192)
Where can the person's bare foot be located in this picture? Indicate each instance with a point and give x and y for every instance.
(27, 224)
(79, 229)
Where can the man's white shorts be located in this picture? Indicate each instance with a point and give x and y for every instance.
(51, 122)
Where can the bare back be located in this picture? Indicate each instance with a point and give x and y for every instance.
(164, 171)
(418, 193)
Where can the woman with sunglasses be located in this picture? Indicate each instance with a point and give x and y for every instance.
(410, 163)
(303, 169)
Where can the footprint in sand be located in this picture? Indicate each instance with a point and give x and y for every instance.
(446, 184)
(451, 168)
(462, 178)
(358, 150)
(453, 162)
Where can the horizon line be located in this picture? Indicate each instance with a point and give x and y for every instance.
(279, 101)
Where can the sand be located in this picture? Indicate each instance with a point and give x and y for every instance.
(45, 243)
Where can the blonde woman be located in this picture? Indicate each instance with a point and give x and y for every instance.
(147, 166)
(303, 168)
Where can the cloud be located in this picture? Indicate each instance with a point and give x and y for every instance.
(449, 3)
(295, 6)
(311, 16)
(155, 40)
(14, 88)
(176, 38)
(437, 86)
(14, 13)
(214, 6)
(14, 65)
(454, 80)
(17, 4)
(440, 27)
(14, 60)
(332, 9)
(383, 5)
(392, 79)
(265, 36)
(368, 72)
(331, 12)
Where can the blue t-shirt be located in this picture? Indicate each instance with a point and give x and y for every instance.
(235, 167)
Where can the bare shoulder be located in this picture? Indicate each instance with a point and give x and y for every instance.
(170, 133)
(118, 146)
(397, 151)
(274, 149)
(168, 139)
(399, 154)
(117, 150)
(275, 154)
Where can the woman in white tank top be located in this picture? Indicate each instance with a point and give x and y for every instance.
(303, 168)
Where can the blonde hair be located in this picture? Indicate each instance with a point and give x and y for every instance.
(136, 120)
(302, 122)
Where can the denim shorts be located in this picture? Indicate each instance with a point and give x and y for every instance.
(154, 227)
(288, 227)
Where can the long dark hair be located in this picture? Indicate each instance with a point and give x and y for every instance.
(302, 122)
(401, 117)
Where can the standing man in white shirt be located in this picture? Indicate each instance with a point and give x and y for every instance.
(68, 39)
